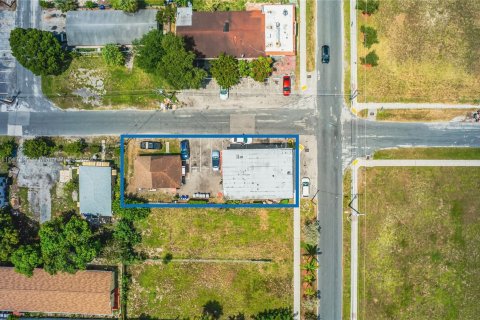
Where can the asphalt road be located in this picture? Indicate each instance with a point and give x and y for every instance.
(329, 138)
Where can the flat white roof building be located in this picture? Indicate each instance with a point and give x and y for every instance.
(279, 29)
(258, 173)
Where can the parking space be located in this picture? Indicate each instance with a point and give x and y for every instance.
(200, 177)
(7, 62)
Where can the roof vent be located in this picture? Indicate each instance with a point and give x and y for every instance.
(226, 26)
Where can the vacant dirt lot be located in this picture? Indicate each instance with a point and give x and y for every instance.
(428, 52)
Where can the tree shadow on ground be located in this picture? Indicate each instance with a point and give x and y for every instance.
(213, 309)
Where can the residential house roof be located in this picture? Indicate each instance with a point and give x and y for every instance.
(156, 172)
(85, 292)
(96, 190)
(101, 27)
(237, 33)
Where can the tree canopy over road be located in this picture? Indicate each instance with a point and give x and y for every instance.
(39, 51)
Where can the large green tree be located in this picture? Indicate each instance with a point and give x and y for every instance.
(368, 6)
(149, 51)
(67, 244)
(371, 59)
(166, 56)
(225, 70)
(176, 65)
(26, 259)
(274, 314)
(370, 36)
(39, 51)
(9, 236)
(38, 147)
(7, 145)
(125, 5)
(261, 68)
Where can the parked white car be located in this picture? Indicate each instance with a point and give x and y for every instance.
(241, 140)
(305, 187)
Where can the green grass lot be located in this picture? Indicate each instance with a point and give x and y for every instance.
(428, 52)
(218, 234)
(429, 153)
(419, 243)
(123, 87)
(182, 289)
(347, 181)
(239, 287)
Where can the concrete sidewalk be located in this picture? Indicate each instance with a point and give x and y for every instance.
(361, 162)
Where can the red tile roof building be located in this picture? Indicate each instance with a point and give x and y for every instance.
(157, 172)
(85, 292)
(237, 33)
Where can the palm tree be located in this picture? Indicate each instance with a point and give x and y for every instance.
(311, 251)
(310, 266)
(309, 278)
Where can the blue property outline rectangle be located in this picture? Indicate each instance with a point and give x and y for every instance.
(208, 205)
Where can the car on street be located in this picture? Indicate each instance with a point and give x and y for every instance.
(287, 85)
(325, 54)
(185, 149)
(150, 145)
(215, 160)
(223, 93)
(241, 140)
(305, 187)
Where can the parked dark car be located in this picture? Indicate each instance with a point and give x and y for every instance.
(325, 54)
(185, 149)
(215, 160)
(150, 145)
(287, 85)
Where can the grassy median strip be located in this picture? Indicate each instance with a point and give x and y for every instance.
(347, 182)
(423, 115)
(443, 67)
(419, 243)
(429, 153)
(311, 34)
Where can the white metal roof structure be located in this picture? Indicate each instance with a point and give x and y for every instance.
(96, 190)
(279, 29)
(101, 27)
(258, 173)
(184, 17)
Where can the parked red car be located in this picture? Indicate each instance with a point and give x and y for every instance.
(286, 85)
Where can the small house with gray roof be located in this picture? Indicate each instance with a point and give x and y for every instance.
(96, 190)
